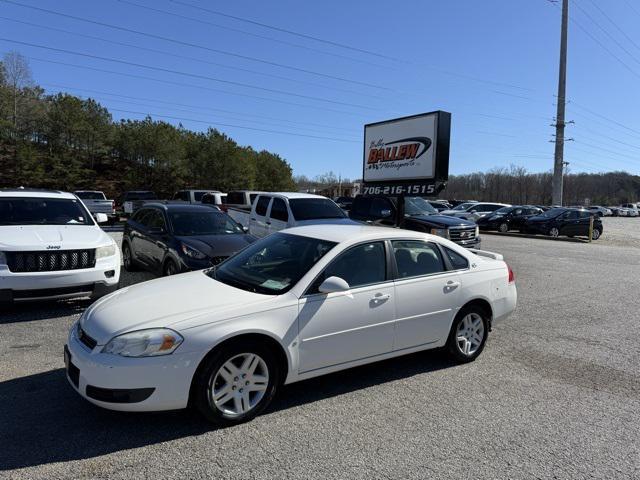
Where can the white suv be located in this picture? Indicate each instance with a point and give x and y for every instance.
(51, 248)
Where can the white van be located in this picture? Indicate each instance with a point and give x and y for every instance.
(51, 248)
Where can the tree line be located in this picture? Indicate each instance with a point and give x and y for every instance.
(65, 142)
(515, 185)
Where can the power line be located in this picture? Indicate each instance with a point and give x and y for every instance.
(632, 7)
(582, 107)
(193, 45)
(191, 85)
(606, 32)
(245, 32)
(336, 44)
(280, 132)
(199, 60)
(99, 92)
(615, 24)
(186, 74)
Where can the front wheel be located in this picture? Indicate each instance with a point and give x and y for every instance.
(503, 227)
(468, 334)
(127, 259)
(554, 232)
(236, 383)
(595, 234)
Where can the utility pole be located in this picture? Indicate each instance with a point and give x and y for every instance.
(558, 164)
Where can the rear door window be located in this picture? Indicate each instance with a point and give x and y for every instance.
(361, 206)
(261, 207)
(380, 206)
(279, 210)
(415, 258)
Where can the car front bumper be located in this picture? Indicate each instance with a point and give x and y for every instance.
(101, 279)
(129, 384)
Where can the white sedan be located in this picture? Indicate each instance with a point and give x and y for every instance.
(297, 304)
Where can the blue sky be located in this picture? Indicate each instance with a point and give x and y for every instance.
(492, 64)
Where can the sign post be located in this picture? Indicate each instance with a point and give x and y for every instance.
(407, 156)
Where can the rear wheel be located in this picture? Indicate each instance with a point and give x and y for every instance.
(595, 235)
(554, 232)
(127, 259)
(468, 334)
(236, 383)
(503, 227)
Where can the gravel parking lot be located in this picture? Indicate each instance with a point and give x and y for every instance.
(556, 394)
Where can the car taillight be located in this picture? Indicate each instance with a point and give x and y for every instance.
(512, 276)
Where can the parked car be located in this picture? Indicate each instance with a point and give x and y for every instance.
(508, 218)
(52, 248)
(292, 306)
(474, 210)
(418, 215)
(631, 208)
(600, 211)
(619, 211)
(171, 238)
(440, 205)
(132, 200)
(455, 203)
(192, 196)
(272, 212)
(218, 199)
(564, 221)
(96, 202)
(344, 202)
(240, 200)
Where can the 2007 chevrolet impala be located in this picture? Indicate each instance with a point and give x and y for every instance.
(297, 304)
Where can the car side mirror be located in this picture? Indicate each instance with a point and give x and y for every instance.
(333, 284)
(101, 218)
(385, 213)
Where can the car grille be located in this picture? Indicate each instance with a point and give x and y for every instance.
(86, 340)
(462, 233)
(51, 261)
(217, 260)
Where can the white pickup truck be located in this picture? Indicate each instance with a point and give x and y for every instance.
(96, 202)
(272, 212)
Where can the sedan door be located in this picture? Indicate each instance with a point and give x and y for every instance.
(568, 223)
(427, 293)
(342, 327)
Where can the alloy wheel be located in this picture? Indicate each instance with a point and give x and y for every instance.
(554, 232)
(470, 334)
(503, 227)
(239, 385)
(126, 257)
(595, 234)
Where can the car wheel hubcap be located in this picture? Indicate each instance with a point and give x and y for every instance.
(595, 234)
(554, 232)
(240, 384)
(470, 334)
(503, 227)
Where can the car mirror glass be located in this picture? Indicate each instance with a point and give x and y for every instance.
(333, 284)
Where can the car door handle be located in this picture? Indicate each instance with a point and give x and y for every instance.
(379, 297)
(451, 285)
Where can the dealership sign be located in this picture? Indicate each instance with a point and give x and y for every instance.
(408, 155)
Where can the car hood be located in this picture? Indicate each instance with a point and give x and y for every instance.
(179, 302)
(443, 220)
(58, 237)
(454, 213)
(329, 221)
(218, 245)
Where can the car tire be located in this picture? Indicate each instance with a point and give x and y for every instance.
(217, 373)
(128, 261)
(503, 227)
(170, 268)
(468, 334)
(554, 232)
(595, 235)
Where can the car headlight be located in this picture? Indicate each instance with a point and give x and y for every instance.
(144, 343)
(441, 232)
(106, 251)
(3, 258)
(192, 252)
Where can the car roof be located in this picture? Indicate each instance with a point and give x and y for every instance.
(34, 193)
(292, 195)
(342, 233)
(182, 207)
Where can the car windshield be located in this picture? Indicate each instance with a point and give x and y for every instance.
(504, 210)
(418, 206)
(203, 223)
(315, 208)
(91, 195)
(463, 206)
(43, 211)
(273, 264)
(554, 212)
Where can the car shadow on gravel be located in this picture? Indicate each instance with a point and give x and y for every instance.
(42, 420)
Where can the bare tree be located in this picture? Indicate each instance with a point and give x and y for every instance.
(17, 76)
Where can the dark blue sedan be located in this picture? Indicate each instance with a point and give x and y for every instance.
(171, 238)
